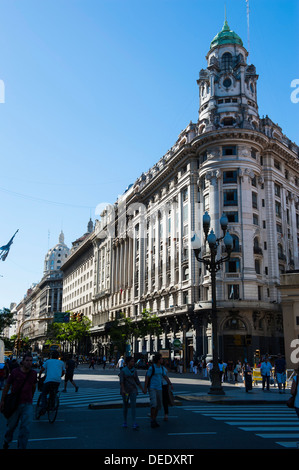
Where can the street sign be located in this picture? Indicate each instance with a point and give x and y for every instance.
(177, 343)
(61, 317)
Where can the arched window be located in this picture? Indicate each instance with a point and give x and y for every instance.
(234, 324)
(226, 61)
(236, 244)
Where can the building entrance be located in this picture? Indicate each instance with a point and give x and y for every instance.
(234, 348)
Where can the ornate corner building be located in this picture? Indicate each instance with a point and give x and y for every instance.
(231, 161)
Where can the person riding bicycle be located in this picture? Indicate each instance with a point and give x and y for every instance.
(54, 370)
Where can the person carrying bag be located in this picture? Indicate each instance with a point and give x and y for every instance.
(17, 406)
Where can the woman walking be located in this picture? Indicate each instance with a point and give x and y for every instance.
(129, 381)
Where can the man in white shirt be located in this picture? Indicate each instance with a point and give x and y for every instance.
(266, 368)
(54, 370)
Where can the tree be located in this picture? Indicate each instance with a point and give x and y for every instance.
(6, 319)
(123, 330)
(71, 332)
(149, 324)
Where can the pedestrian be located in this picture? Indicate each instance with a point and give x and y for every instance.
(230, 371)
(266, 368)
(237, 371)
(280, 373)
(22, 381)
(191, 364)
(247, 376)
(209, 368)
(120, 362)
(70, 366)
(153, 383)
(295, 393)
(104, 362)
(91, 363)
(204, 369)
(165, 391)
(129, 383)
(222, 368)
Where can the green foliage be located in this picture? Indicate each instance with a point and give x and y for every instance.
(70, 332)
(6, 319)
(123, 330)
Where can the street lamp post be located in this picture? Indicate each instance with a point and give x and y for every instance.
(213, 265)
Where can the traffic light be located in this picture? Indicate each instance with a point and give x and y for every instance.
(257, 353)
(80, 317)
(73, 316)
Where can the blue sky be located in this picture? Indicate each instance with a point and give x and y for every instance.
(97, 91)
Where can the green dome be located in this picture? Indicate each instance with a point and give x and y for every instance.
(226, 36)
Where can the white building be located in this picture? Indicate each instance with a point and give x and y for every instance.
(140, 253)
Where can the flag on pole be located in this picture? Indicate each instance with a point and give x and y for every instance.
(4, 250)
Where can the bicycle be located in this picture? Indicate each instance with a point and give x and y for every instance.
(52, 405)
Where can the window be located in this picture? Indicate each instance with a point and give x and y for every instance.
(232, 216)
(226, 61)
(253, 153)
(229, 150)
(254, 200)
(227, 82)
(255, 219)
(230, 197)
(233, 265)
(279, 228)
(233, 291)
(278, 209)
(185, 274)
(277, 164)
(185, 194)
(277, 190)
(229, 177)
(236, 244)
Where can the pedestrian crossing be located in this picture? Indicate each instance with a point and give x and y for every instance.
(266, 421)
(85, 396)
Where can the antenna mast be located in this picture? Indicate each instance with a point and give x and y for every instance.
(248, 34)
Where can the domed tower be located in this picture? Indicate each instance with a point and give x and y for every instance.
(227, 87)
(56, 256)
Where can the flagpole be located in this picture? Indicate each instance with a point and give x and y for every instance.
(248, 31)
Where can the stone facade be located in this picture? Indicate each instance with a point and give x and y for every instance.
(230, 161)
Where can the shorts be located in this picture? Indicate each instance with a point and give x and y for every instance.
(155, 398)
(69, 376)
(281, 377)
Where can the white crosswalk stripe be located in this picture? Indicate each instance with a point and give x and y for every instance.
(85, 396)
(266, 421)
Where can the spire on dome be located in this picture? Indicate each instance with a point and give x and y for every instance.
(61, 237)
(226, 36)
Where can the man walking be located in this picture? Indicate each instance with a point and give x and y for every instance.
(23, 381)
(153, 382)
(280, 373)
(69, 374)
(266, 368)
